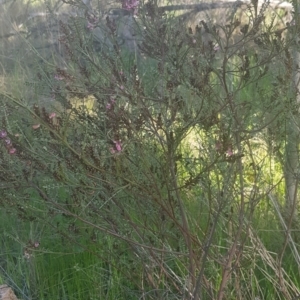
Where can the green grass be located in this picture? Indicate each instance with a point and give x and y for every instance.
(60, 269)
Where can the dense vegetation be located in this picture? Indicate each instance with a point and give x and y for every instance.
(145, 159)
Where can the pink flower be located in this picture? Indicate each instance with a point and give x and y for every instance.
(3, 134)
(110, 104)
(52, 115)
(90, 26)
(36, 126)
(92, 22)
(12, 150)
(131, 5)
(216, 48)
(7, 142)
(118, 146)
(58, 77)
(229, 151)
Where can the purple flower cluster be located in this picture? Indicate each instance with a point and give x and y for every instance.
(131, 5)
(117, 148)
(92, 22)
(3, 134)
(110, 104)
(7, 142)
